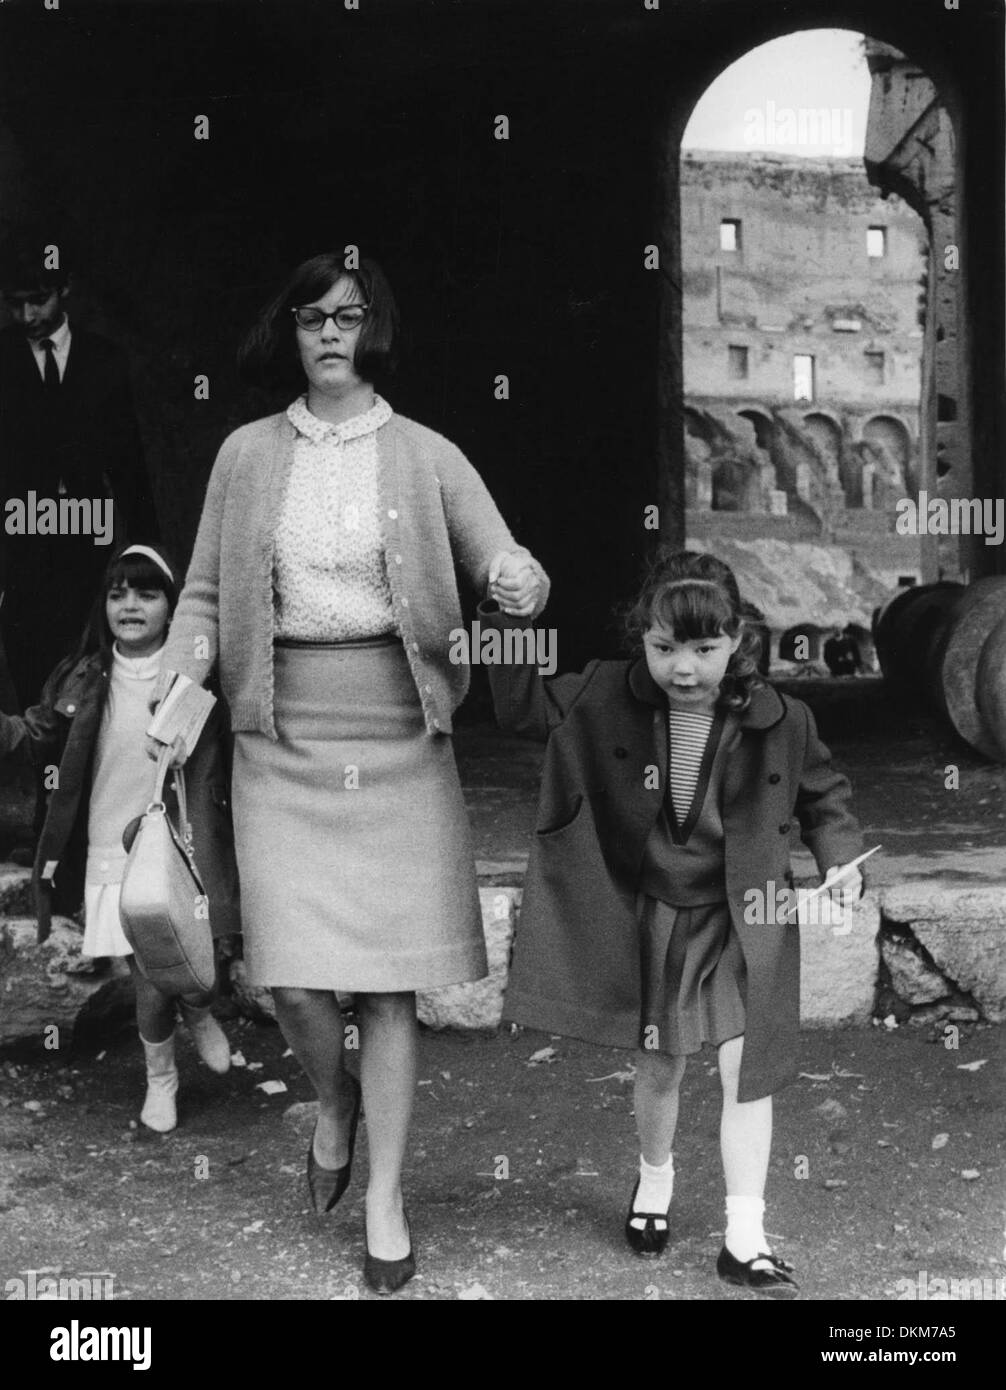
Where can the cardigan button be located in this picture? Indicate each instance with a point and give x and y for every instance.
(415, 646)
(405, 603)
(621, 752)
(784, 828)
(436, 723)
(428, 689)
(398, 559)
(774, 777)
(71, 709)
(392, 514)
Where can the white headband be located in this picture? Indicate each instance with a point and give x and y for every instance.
(151, 555)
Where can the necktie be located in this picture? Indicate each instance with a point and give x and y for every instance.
(50, 375)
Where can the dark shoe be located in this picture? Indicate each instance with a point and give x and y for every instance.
(328, 1184)
(388, 1276)
(649, 1240)
(773, 1278)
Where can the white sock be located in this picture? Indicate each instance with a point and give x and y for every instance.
(656, 1187)
(745, 1236)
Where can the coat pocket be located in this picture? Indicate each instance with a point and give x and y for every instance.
(564, 819)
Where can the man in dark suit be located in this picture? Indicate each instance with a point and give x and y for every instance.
(68, 431)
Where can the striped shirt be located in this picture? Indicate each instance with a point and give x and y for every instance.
(689, 732)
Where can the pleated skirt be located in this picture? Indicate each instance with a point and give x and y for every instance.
(353, 844)
(693, 976)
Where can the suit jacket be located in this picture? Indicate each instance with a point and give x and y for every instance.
(62, 730)
(575, 967)
(85, 434)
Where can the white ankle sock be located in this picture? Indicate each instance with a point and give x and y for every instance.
(745, 1236)
(656, 1186)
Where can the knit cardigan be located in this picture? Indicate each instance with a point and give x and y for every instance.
(434, 510)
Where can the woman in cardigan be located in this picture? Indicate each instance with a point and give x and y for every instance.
(322, 581)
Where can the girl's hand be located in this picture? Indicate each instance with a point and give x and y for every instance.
(155, 748)
(517, 582)
(848, 889)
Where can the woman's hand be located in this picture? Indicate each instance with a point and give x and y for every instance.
(155, 748)
(518, 583)
(848, 885)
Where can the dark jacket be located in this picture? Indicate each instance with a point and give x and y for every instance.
(575, 967)
(85, 437)
(85, 433)
(62, 730)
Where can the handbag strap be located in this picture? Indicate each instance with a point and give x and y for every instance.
(163, 763)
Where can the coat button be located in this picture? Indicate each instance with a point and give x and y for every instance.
(621, 752)
(784, 828)
(71, 709)
(774, 777)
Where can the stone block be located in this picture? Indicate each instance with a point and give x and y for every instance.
(912, 979)
(38, 986)
(964, 931)
(478, 1005)
(838, 968)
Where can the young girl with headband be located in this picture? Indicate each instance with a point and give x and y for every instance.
(670, 787)
(88, 735)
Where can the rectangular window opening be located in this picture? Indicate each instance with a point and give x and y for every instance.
(803, 377)
(737, 363)
(876, 242)
(730, 234)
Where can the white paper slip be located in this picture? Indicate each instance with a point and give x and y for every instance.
(182, 714)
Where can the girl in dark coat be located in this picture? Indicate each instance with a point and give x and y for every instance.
(87, 736)
(651, 912)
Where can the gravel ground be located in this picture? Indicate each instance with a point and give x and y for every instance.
(518, 1175)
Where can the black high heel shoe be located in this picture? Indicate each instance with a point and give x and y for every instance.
(774, 1281)
(649, 1240)
(328, 1184)
(388, 1276)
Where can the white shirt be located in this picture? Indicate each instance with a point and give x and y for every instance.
(60, 340)
(330, 579)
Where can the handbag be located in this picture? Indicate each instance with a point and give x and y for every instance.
(163, 906)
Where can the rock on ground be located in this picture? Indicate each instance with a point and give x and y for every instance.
(39, 990)
(479, 1005)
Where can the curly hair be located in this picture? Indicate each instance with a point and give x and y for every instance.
(695, 596)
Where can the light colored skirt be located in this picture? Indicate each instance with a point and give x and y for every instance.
(353, 845)
(693, 976)
(103, 934)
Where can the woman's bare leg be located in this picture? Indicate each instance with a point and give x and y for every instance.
(388, 1058)
(311, 1021)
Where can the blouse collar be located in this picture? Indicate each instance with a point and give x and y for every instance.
(136, 668)
(318, 431)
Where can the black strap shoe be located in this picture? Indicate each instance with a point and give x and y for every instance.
(767, 1274)
(650, 1239)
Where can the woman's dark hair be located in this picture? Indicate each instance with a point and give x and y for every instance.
(137, 571)
(268, 357)
(695, 596)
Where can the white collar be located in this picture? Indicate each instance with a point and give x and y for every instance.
(320, 430)
(136, 668)
(60, 340)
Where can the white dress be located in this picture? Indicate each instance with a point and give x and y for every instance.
(121, 786)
